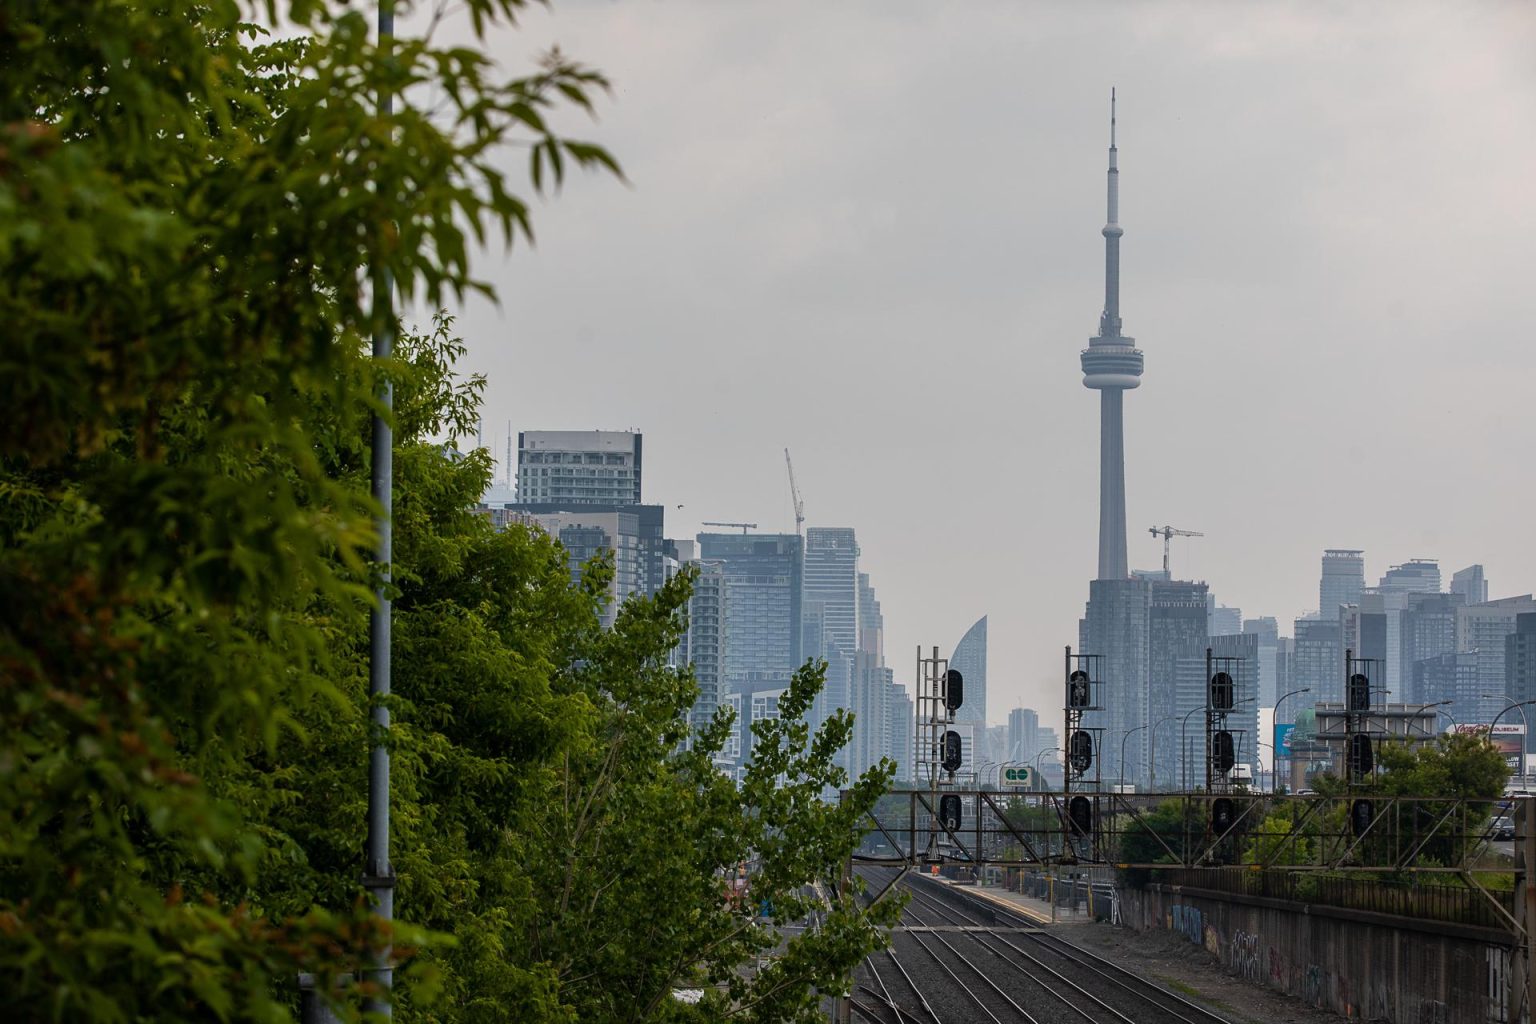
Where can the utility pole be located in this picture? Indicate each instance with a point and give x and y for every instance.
(378, 873)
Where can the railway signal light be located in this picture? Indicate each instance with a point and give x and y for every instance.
(1223, 752)
(949, 811)
(1080, 815)
(1359, 692)
(951, 759)
(1080, 751)
(1361, 814)
(954, 690)
(1362, 759)
(1078, 690)
(1223, 814)
(1223, 692)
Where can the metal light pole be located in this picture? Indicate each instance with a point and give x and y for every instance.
(1184, 749)
(1152, 752)
(1433, 704)
(1036, 761)
(1278, 703)
(378, 873)
(1261, 744)
(1127, 736)
(1510, 703)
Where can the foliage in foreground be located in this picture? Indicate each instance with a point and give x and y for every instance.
(184, 573)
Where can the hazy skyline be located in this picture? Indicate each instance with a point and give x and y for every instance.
(870, 233)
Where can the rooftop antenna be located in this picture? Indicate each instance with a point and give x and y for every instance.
(509, 455)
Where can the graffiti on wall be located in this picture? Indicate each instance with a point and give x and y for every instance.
(1188, 922)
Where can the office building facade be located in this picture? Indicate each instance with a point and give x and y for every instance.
(762, 594)
(1342, 581)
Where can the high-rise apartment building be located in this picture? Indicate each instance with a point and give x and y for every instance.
(1177, 623)
(1363, 631)
(1115, 628)
(1447, 677)
(1427, 630)
(706, 641)
(1471, 584)
(1221, 620)
(1266, 680)
(830, 597)
(1023, 734)
(600, 530)
(1317, 658)
(1419, 576)
(970, 660)
(1520, 665)
(831, 584)
(762, 584)
(1342, 582)
(644, 558)
(597, 467)
(1480, 630)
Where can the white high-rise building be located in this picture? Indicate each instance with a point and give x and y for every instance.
(591, 467)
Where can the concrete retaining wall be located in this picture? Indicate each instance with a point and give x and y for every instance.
(1373, 967)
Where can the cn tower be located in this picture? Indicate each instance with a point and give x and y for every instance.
(1112, 366)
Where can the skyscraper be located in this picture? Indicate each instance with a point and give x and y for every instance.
(1342, 582)
(1480, 630)
(1471, 584)
(1520, 664)
(830, 603)
(832, 585)
(970, 660)
(762, 579)
(706, 641)
(1419, 576)
(599, 467)
(1112, 365)
(1317, 659)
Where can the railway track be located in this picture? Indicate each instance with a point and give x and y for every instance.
(959, 958)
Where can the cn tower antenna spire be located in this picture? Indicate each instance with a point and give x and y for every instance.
(1112, 366)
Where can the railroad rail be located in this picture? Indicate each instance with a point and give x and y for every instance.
(960, 959)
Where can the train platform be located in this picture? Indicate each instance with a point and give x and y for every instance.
(1038, 910)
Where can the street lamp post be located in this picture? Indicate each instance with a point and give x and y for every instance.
(1152, 753)
(1128, 734)
(1274, 767)
(1184, 749)
(1183, 745)
(1434, 704)
(1511, 703)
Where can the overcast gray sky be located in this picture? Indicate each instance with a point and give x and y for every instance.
(869, 232)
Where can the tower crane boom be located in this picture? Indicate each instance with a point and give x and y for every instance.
(794, 495)
(1168, 533)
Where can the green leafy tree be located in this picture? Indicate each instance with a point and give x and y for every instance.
(184, 582)
(184, 210)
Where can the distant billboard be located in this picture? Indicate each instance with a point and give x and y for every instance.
(1509, 737)
(1283, 738)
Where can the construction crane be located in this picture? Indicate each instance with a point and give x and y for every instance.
(794, 495)
(1168, 533)
(744, 526)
